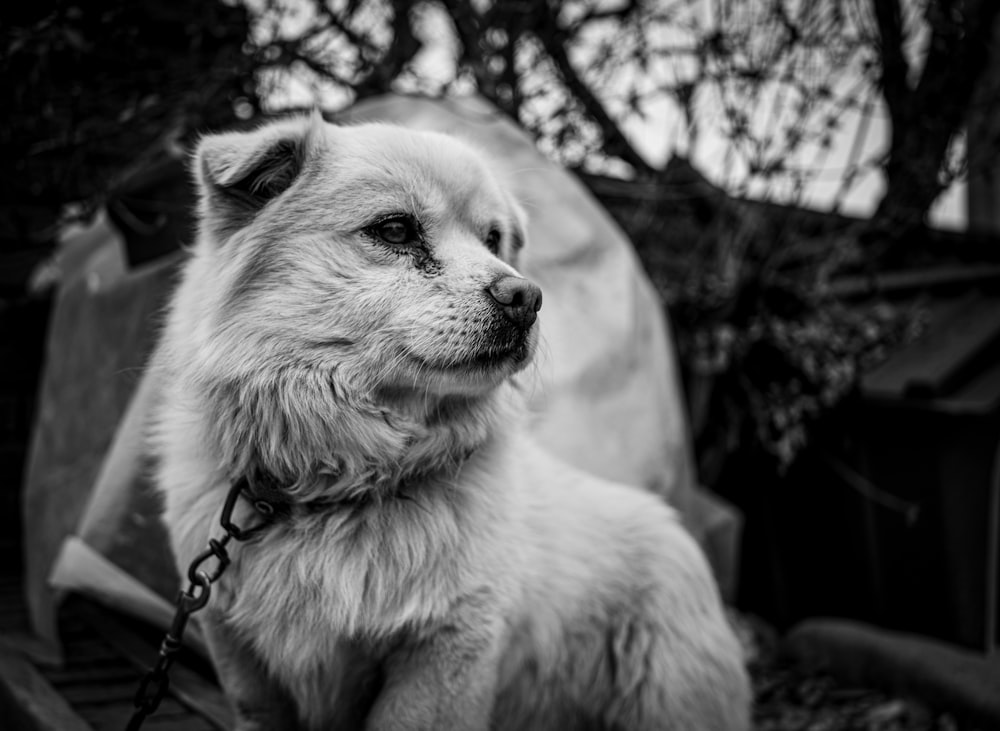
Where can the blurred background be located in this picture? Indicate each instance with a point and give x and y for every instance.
(811, 186)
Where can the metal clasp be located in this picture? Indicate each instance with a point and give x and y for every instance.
(193, 598)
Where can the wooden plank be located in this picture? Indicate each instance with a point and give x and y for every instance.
(958, 348)
(13, 612)
(28, 702)
(982, 393)
(889, 379)
(115, 716)
(91, 693)
(915, 280)
(188, 686)
(944, 356)
(78, 674)
(91, 651)
(174, 722)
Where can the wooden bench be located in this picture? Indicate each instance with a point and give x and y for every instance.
(106, 656)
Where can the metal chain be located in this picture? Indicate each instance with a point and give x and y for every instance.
(154, 685)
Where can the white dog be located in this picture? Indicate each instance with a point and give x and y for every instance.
(347, 328)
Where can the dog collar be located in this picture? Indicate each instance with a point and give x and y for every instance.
(271, 500)
(266, 495)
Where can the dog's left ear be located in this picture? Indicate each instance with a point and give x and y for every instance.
(239, 173)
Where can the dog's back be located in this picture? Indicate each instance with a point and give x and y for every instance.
(618, 592)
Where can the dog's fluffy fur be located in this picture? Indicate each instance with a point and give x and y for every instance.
(334, 328)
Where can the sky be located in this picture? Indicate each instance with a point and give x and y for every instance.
(662, 130)
(949, 212)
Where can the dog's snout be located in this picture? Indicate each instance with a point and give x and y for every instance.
(517, 298)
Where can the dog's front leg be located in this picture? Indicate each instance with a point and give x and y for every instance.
(257, 703)
(444, 680)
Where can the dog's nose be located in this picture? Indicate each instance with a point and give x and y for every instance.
(517, 298)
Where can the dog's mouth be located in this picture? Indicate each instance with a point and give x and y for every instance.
(498, 355)
(515, 354)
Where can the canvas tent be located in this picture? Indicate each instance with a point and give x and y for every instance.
(605, 391)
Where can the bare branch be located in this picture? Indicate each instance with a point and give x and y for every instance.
(397, 55)
(469, 25)
(552, 38)
(895, 69)
(597, 13)
(926, 117)
(332, 20)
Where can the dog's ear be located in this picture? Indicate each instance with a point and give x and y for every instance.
(238, 173)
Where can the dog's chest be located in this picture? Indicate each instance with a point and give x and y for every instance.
(311, 583)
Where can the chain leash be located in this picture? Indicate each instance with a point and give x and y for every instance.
(154, 685)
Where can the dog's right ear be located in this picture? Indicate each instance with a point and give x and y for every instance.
(238, 173)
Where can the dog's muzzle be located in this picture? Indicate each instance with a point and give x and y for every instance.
(518, 299)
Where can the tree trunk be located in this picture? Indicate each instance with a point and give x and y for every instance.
(925, 117)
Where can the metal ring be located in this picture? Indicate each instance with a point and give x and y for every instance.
(263, 507)
(216, 549)
(191, 601)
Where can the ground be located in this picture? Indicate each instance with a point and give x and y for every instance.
(790, 698)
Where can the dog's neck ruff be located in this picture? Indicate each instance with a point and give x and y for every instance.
(318, 448)
(273, 500)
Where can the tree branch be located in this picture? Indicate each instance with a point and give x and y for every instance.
(926, 117)
(401, 50)
(469, 25)
(553, 39)
(895, 70)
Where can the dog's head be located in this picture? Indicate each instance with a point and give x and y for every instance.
(385, 254)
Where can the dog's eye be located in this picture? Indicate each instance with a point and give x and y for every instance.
(493, 240)
(396, 231)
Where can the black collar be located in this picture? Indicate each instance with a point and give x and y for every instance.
(266, 495)
(273, 502)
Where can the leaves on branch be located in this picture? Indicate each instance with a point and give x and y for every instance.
(93, 89)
